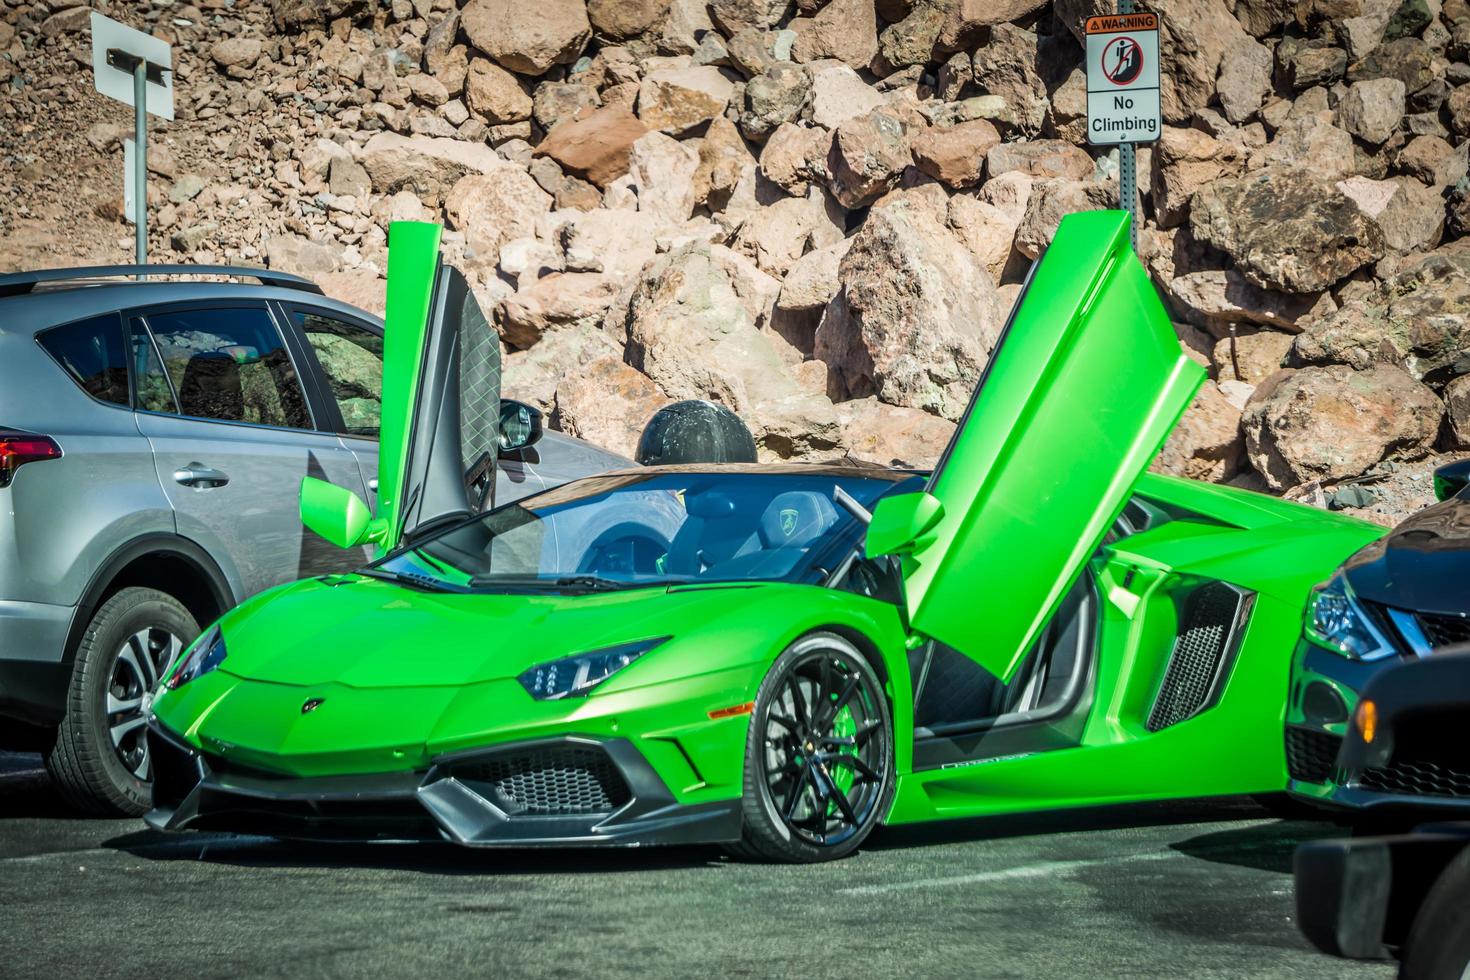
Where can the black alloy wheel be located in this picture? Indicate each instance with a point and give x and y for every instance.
(819, 754)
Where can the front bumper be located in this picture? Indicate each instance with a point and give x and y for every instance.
(1323, 695)
(1357, 898)
(564, 791)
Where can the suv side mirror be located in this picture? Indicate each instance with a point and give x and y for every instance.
(900, 521)
(521, 425)
(337, 514)
(1451, 478)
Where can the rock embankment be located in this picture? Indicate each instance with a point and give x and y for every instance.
(816, 211)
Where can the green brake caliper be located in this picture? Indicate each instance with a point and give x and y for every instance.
(843, 726)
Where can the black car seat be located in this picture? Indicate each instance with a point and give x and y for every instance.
(790, 524)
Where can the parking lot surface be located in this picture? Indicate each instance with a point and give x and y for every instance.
(1199, 890)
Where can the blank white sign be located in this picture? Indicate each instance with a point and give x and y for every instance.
(117, 84)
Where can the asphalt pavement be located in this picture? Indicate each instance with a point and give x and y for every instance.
(1201, 889)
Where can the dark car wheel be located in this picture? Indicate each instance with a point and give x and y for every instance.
(818, 756)
(1439, 944)
(99, 758)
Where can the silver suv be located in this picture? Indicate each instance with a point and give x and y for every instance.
(152, 437)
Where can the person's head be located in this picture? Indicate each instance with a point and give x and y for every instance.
(695, 431)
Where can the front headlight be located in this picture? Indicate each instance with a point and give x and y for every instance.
(576, 675)
(1337, 621)
(207, 653)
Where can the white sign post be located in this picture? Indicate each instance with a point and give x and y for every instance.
(136, 69)
(1123, 92)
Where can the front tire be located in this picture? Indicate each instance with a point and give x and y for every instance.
(99, 756)
(1438, 947)
(818, 755)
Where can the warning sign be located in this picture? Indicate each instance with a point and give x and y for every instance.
(1123, 78)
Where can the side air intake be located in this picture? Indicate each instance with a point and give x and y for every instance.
(1213, 618)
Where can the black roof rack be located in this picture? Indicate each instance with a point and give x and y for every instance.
(19, 283)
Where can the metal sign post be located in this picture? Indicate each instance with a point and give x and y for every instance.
(136, 69)
(1123, 93)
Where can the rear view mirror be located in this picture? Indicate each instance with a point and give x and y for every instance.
(900, 521)
(520, 425)
(1451, 478)
(337, 514)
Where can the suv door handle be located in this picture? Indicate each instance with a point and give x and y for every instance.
(200, 476)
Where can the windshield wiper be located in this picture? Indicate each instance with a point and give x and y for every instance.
(423, 582)
(586, 583)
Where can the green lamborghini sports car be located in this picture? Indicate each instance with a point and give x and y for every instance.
(777, 658)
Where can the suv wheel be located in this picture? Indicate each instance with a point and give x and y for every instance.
(99, 758)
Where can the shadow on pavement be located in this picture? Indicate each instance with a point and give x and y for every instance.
(444, 859)
(1265, 847)
(26, 791)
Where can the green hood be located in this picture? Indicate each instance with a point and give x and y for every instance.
(372, 634)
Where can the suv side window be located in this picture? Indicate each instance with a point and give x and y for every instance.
(352, 360)
(155, 393)
(92, 352)
(230, 363)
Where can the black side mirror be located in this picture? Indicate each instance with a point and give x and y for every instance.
(1451, 479)
(521, 425)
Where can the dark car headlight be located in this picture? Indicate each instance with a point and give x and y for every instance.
(1337, 621)
(578, 674)
(206, 653)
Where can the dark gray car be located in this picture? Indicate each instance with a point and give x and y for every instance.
(152, 436)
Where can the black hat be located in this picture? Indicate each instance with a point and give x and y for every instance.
(695, 431)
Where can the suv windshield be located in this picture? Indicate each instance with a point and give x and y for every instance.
(629, 530)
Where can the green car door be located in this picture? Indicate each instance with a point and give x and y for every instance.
(1083, 387)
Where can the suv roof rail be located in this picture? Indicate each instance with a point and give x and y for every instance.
(20, 283)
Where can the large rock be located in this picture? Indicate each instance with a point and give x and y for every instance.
(1410, 214)
(624, 19)
(607, 403)
(773, 99)
(1007, 67)
(1184, 160)
(868, 157)
(1245, 81)
(1195, 36)
(1433, 160)
(1252, 356)
(1051, 201)
(495, 93)
(794, 156)
(426, 165)
(891, 435)
(692, 333)
(1216, 298)
(1330, 423)
(616, 242)
(813, 279)
(676, 100)
(911, 41)
(528, 38)
(1420, 321)
(1309, 142)
(839, 94)
(1206, 444)
(1457, 405)
(1371, 110)
(663, 171)
(596, 146)
(955, 156)
(734, 16)
(776, 236)
(986, 222)
(844, 29)
(532, 375)
(577, 299)
(493, 208)
(1039, 158)
(723, 158)
(916, 318)
(1286, 230)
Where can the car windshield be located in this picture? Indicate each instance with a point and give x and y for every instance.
(663, 527)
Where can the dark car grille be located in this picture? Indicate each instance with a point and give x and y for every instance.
(1311, 755)
(1198, 655)
(1421, 778)
(553, 781)
(1443, 631)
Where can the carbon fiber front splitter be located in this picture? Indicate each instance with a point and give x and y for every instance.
(195, 791)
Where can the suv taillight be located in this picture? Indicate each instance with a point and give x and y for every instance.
(17, 449)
